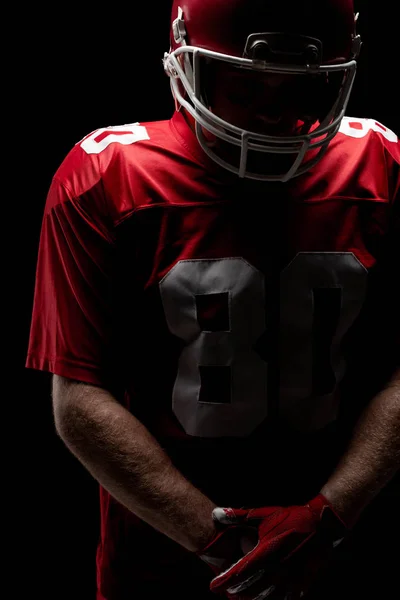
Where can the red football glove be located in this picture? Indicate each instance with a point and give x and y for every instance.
(294, 544)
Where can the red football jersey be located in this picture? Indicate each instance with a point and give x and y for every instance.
(236, 317)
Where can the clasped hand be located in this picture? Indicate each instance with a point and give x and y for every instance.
(273, 552)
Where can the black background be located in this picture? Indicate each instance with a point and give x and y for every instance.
(70, 72)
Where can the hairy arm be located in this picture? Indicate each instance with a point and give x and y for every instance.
(372, 457)
(122, 455)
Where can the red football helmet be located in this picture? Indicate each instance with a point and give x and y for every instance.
(264, 77)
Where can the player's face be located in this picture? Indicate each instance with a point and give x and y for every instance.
(258, 102)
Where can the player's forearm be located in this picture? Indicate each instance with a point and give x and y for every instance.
(372, 458)
(126, 460)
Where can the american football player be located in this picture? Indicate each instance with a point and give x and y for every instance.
(215, 298)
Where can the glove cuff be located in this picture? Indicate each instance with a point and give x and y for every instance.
(320, 503)
(223, 549)
(328, 519)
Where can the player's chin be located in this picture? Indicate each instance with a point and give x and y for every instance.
(284, 126)
(258, 162)
(277, 131)
(269, 163)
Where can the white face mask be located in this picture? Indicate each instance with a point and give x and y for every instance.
(185, 67)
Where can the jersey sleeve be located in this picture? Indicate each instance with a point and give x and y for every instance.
(70, 331)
